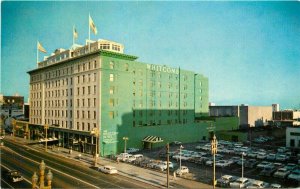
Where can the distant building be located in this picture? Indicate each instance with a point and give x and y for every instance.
(255, 116)
(249, 116)
(293, 137)
(224, 111)
(275, 107)
(11, 106)
(286, 118)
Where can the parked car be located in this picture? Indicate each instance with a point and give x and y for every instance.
(252, 155)
(182, 170)
(14, 176)
(282, 157)
(176, 143)
(240, 183)
(282, 149)
(108, 169)
(274, 185)
(163, 165)
(225, 180)
(224, 163)
(261, 155)
(251, 163)
(295, 175)
(258, 184)
(282, 173)
(268, 170)
(271, 157)
(290, 166)
(129, 158)
(132, 150)
(263, 164)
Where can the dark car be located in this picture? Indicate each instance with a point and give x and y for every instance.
(251, 163)
(268, 170)
(14, 176)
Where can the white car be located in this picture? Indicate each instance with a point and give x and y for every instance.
(261, 155)
(183, 170)
(275, 185)
(108, 169)
(258, 184)
(282, 173)
(224, 163)
(240, 183)
(163, 165)
(295, 175)
(225, 180)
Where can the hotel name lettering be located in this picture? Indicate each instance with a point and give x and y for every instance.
(110, 137)
(159, 68)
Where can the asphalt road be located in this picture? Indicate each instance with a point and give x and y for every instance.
(67, 173)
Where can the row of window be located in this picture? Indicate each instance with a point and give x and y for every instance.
(152, 103)
(140, 113)
(159, 122)
(87, 66)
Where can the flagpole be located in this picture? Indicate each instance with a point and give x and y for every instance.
(89, 33)
(37, 55)
(73, 35)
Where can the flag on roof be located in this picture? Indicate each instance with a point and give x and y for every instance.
(92, 25)
(41, 48)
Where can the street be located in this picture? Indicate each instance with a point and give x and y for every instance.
(66, 173)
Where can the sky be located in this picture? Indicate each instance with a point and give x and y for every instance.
(250, 51)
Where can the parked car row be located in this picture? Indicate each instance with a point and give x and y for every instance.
(239, 182)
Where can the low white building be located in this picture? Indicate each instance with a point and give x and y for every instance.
(293, 137)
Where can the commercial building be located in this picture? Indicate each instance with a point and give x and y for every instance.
(286, 118)
(11, 106)
(293, 137)
(249, 116)
(98, 86)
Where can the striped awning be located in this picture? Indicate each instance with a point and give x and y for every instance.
(152, 139)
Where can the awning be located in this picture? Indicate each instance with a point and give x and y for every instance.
(152, 139)
(48, 140)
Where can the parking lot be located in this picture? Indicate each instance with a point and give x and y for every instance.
(197, 157)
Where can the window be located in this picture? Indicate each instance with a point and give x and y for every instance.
(111, 90)
(111, 115)
(111, 65)
(83, 90)
(94, 114)
(83, 114)
(89, 89)
(292, 142)
(111, 102)
(94, 102)
(111, 77)
(126, 67)
(95, 64)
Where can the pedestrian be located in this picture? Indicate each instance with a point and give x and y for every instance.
(118, 160)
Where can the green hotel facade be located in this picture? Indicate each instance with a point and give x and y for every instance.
(97, 86)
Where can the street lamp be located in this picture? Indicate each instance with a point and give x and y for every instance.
(243, 154)
(214, 148)
(181, 147)
(46, 131)
(125, 140)
(95, 132)
(41, 184)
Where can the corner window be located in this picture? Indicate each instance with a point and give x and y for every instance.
(111, 77)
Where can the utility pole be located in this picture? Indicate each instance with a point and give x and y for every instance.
(167, 147)
(214, 147)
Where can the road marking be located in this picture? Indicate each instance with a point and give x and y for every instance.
(57, 171)
(7, 183)
(11, 169)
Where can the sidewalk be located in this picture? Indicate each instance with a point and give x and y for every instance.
(148, 176)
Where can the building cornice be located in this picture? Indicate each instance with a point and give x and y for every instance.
(100, 52)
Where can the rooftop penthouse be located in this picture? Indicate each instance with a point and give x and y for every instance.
(76, 50)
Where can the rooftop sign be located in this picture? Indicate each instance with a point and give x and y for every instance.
(165, 69)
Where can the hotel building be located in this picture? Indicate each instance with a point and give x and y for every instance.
(98, 86)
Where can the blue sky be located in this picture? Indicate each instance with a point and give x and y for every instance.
(250, 51)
